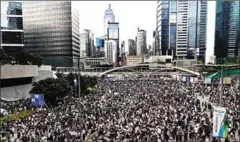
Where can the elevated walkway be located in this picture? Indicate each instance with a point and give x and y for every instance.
(226, 73)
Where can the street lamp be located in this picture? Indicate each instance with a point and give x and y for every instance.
(79, 88)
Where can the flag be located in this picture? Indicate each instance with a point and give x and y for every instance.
(75, 82)
(37, 99)
(220, 124)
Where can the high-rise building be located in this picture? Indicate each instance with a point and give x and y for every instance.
(100, 42)
(110, 51)
(113, 34)
(141, 42)
(154, 47)
(87, 48)
(227, 35)
(131, 47)
(11, 35)
(181, 25)
(210, 35)
(51, 30)
(100, 46)
(108, 17)
(123, 47)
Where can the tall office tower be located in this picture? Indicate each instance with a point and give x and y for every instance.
(51, 30)
(110, 48)
(122, 47)
(100, 42)
(197, 28)
(227, 40)
(86, 43)
(11, 27)
(210, 35)
(100, 46)
(108, 17)
(158, 31)
(113, 34)
(154, 47)
(141, 42)
(132, 47)
(181, 26)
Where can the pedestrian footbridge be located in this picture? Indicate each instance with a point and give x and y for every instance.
(143, 69)
(148, 70)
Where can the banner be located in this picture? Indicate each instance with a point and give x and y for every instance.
(37, 99)
(75, 82)
(220, 125)
(188, 79)
(207, 81)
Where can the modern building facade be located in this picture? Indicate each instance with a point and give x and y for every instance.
(123, 47)
(87, 48)
(95, 62)
(134, 60)
(111, 51)
(100, 46)
(108, 17)
(52, 31)
(141, 42)
(113, 34)
(100, 42)
(17, 80)
(227, 35)
(131, 47)
(181, 25)
(11, 35)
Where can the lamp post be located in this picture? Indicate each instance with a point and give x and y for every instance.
(78, 82)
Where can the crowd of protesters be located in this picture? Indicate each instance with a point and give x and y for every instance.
(14, 106)
(130, 110)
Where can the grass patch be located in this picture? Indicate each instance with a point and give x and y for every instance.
(16, 116)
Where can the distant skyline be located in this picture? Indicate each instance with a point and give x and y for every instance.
(129, 14)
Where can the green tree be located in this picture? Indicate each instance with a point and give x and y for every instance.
(238, 61)
(52, 89)
(25, 58)
(200, 62)
(85, 81)
(5, 58)
(61, 76)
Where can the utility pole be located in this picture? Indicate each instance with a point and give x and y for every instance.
(221, 93)
(78, 82)
(79, 88)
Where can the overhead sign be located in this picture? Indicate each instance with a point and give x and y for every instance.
(188, 78)
(220, 125)
(75, 82)
(37, 99)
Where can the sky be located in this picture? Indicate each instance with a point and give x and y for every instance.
(129, 14)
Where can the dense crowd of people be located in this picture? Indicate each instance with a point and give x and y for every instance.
(14, 106)
(131, 110)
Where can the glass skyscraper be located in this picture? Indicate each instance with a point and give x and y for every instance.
(100, 42)
(11, 34)
(113, 34)
(181, 26)
(87, 48)
(52, 31)
(227, 35)
(108, 17)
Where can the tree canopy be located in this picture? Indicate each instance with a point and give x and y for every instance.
(52, 89)
(25, 58)
(85, 81)
(55, 89)
(21, 58)
(4, 58)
